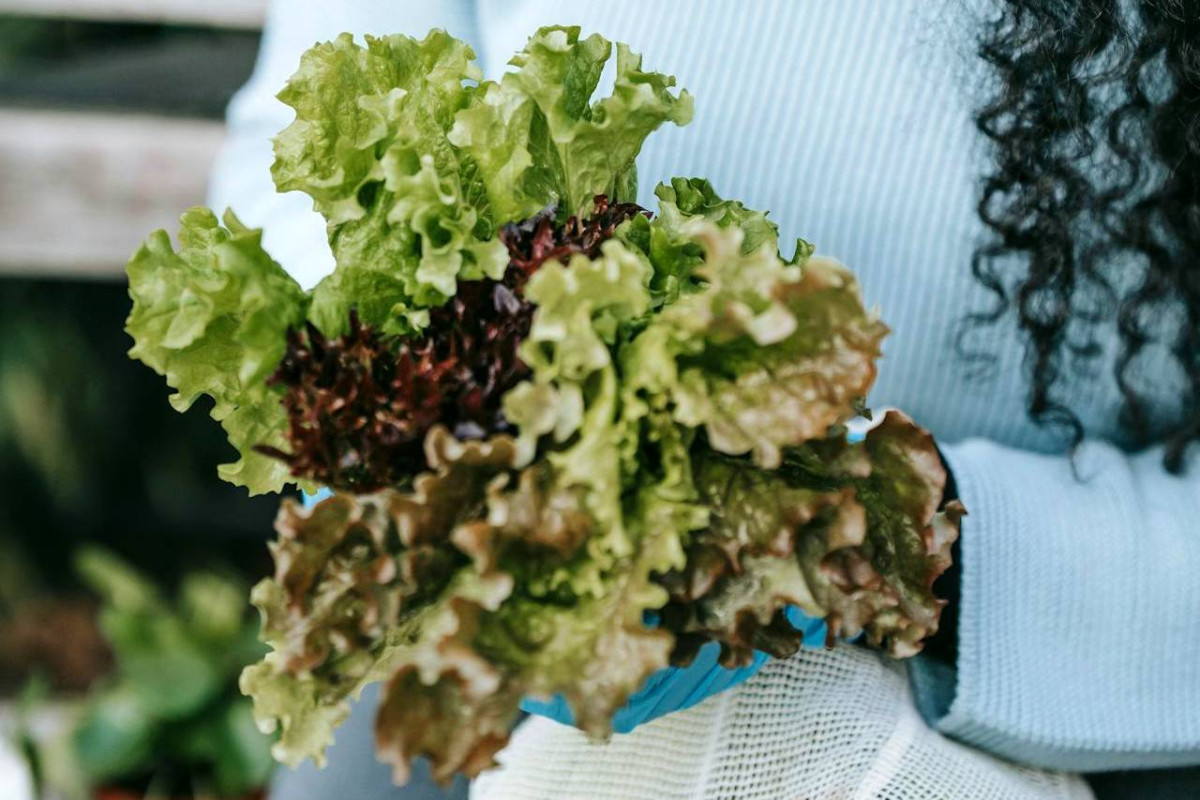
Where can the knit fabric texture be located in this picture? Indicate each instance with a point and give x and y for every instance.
(821, 724)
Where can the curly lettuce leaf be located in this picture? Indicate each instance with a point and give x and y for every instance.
(674, 254)
(415, 165)
(768, 354)
(354, 578)
(438, 592)
(685, 199)
(584, 308)
(456, 695)
(538, 137)
(850, 533)
(407, 216)
(908, 539)
(212, 318)
(353, 102)
(446, 701)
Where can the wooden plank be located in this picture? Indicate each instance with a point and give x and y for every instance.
(79, 192)
(215, 13)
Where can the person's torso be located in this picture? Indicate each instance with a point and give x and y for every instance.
(852, 123)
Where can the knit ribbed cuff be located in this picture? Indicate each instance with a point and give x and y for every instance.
(1056, 660)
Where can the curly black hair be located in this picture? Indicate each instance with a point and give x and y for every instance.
(1093, 200)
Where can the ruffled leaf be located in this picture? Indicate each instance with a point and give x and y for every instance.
(354, 578)
(448, 703)
(850, 533)
(583, 309)
(407, 216)
(767, 355)
(685, 199)
(539, 137)
(212, 318)
(414, 165)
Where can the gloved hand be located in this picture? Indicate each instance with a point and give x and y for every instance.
(309, 500)
(677, 688)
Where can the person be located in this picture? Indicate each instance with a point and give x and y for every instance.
(1017, 184)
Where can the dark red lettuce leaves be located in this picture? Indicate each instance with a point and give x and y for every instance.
(360, 405)
(534, 241)
(849, 532)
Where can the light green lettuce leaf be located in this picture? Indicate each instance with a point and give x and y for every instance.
(500, 133)
(414, 165)
(539, 137)
(406, 213)
(766, 355)
(212, 318)
(583, 311)
(684, 199)
(675, 254)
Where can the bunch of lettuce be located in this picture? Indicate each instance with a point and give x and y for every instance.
(549, 414)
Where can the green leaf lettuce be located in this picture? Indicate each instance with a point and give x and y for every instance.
(212, 318)
(765, 354)
(674, 445)
(414, 164)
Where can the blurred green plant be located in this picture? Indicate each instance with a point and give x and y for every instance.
(51, 768)
(170, 718)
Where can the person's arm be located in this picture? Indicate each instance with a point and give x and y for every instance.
(1077, 643)
(294, 234)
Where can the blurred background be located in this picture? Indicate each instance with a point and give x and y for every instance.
(110, 115)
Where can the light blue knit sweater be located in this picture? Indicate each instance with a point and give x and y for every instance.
(850, 121)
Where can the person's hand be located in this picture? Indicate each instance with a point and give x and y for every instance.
(677, 688)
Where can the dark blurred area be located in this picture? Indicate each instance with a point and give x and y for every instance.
(93, 65)
(90, 450)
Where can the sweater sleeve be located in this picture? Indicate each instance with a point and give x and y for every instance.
(293, 233)
(1080, 608)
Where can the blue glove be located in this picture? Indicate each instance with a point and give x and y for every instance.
(309, 500)
(677, 688)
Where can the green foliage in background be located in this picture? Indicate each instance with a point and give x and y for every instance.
(172, 710)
